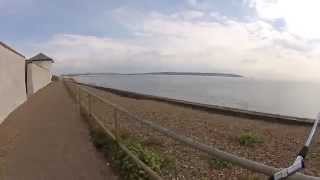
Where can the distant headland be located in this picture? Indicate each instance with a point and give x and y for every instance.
(188, 74)
(163, 73)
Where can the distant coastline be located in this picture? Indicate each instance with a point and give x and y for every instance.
(188, 74)
(164, 73)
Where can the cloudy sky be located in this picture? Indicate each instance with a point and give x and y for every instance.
(278, 39)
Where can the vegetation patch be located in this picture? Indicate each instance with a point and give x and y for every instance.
(218, 163)
(127, 168)
(249, 139)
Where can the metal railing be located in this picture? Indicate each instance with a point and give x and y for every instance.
(87, 99)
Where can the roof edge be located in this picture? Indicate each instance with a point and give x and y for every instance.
(40, 57)
(29, 61)
(11, 49)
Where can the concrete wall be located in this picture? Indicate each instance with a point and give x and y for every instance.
(12, 81)
(39, 75)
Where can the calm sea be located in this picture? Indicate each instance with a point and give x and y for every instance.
(299, 99)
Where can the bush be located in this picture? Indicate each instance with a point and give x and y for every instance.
(126, 166)
(249, 139)
(99, 139)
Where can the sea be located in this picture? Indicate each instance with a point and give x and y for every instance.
(289, 98)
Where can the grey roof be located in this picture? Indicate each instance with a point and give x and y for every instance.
(41, 57)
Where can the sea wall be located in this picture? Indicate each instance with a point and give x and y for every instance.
(12, 80)
(211, 108)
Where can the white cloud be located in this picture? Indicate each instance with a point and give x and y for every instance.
(88, 53)
(301, 16)
(179, 42)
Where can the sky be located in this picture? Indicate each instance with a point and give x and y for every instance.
(273, 39)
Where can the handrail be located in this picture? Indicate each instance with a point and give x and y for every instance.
(243, 162)
(152, 174)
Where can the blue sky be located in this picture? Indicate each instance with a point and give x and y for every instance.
(278, 39)
(34, 20)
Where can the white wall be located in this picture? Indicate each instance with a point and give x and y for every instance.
(12, 81)
(39, 75)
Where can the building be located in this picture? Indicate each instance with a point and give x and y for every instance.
(20, 78)
(12, 80)
(38, 70)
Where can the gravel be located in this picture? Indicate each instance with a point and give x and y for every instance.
(280, 142)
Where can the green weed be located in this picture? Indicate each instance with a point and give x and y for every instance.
(249, 139)
(126, 166)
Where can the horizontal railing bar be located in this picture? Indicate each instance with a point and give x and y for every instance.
(245, 163)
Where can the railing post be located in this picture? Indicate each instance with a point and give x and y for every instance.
(78, 96)
(116, 124)
(89, 105)
(175, 161)
(116, 131)
(78, 93)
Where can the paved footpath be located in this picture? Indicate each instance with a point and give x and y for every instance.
(46, 139)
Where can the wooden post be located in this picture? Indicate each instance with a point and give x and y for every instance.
(78, 96)
(89, 105)
(116, 124)
(78, 102)
(175, 161)
(78, 93)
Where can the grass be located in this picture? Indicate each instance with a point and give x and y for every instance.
(127, 168)
(249, 139)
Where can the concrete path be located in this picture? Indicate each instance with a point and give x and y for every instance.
(46, 138)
